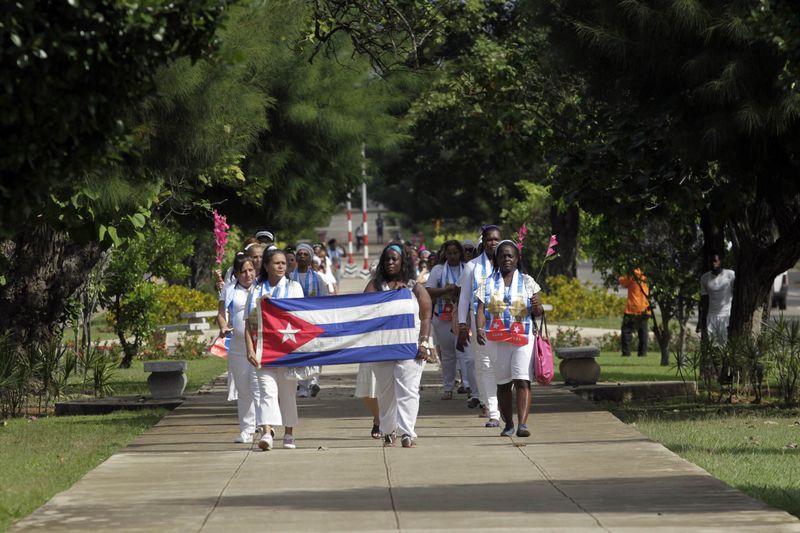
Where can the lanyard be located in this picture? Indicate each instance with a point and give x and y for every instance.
(307, 283)
(448, 276)
(486, 270)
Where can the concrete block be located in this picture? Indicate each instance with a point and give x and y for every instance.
(584, 371)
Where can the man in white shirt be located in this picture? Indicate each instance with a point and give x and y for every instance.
(474, 273)
(716, 295)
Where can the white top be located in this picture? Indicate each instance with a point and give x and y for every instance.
(484, 269)
(237, 317)
(719, 290)
(777, 285)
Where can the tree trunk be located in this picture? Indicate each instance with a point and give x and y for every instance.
(565, 227)
(44, 269)
(760, 259)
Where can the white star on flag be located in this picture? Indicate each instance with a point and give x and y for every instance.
(288, 333)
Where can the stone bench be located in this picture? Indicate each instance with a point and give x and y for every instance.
(578, 365)
(167, 378)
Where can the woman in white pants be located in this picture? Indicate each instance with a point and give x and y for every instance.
(277, 404)
(231, 320)
(507, 301)
(441, 286)
(398, 381)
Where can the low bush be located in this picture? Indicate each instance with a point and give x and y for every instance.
(177, 299)
(191, 347)
(573, 300)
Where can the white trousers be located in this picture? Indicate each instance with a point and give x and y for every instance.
(466, 364)
(243, 376)
(276, 402)
(305, 384)
(484, 375)
(398, 395)
(447, 348)
(717, 328)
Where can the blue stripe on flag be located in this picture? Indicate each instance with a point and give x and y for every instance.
(318, 303)
(367, 354)
(357, 327)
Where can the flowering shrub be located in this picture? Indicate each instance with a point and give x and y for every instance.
(191, 347)
(573, 300)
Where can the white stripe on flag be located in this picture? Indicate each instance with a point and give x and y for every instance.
(361, 312)
(374, 338)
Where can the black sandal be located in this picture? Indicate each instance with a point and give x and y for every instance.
(376, 431)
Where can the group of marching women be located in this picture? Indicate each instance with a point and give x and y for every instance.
(476, 312)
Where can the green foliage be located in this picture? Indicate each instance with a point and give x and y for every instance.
(176, 299)
(784, 355)
(73, 74)
(130, 294)
(191, 347)
(260, 135)
(572, 300)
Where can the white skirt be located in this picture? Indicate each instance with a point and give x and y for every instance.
(366, 384)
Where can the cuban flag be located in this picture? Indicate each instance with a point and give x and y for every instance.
(336, 330)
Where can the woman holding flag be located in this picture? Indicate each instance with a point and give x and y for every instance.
(398, 381)
(507, 301)
(313, 284)
(276, 402)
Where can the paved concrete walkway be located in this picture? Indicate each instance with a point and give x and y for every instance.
(582, 470)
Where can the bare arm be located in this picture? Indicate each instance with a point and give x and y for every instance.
(222, 319)
(480, 324)
(425, 310)
(536, 305)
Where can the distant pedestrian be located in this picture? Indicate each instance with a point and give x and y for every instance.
(716, 295)
(780, 289)
(637, 312)
(359, 237)
(379, 228)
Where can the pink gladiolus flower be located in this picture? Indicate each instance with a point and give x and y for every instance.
(550, 252)
(553, 241)
(220, 234)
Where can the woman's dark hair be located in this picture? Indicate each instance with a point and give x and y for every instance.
(266, 259)
(406, 268)
(443, 251)
(486, 228)
(505, 244)
(239, 261)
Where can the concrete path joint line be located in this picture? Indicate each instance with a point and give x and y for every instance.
(222, 492)
(552, 483)
(391, 496)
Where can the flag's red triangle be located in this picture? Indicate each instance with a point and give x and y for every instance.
(283, 332)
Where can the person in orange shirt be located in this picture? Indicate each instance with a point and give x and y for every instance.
(637, 312)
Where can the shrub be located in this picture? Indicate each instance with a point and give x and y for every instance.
(177, 299)
(191, 347)
(573, 300)
(566, 338)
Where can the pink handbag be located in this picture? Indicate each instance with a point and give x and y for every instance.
(543, 355)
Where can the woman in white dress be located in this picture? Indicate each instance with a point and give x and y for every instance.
(507, 301)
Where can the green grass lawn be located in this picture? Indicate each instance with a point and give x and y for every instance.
(753, 448)
(43, 457)
(614, 367)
